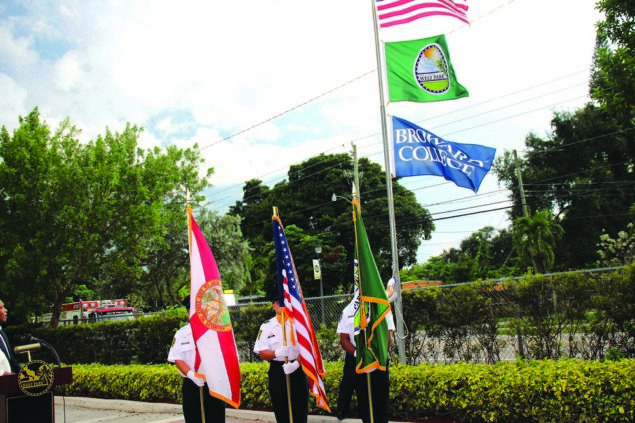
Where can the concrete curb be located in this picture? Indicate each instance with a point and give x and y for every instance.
(115, 404)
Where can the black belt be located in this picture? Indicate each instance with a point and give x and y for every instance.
(279, 363)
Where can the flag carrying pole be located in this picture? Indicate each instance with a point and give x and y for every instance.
(202, 401)
(391, 202)
(284, 341)
(302, 333)
(188, 205)
(286, 361)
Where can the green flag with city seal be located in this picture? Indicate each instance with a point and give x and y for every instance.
(371, 327)
(421, 71)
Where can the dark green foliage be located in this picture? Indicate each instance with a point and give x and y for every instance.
(614, 73)
(88, 214)
(304, 202)
(145, 340)
(153, 338)
(420, 315)
(486, 253)
(611, 327)
(571, 315)
(522, 391)
(583, 171)
(329, 342)
(574, 315)
(246, 322)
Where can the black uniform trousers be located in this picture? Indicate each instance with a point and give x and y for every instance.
(380, 388)
(347, 384)
(278, 391)
(214, 408)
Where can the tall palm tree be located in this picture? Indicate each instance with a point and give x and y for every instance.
(535, 238)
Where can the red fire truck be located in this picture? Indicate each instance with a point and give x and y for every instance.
(86, 311)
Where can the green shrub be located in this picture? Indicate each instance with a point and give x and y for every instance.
(524, 391)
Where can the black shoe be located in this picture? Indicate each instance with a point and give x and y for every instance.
(340, 415)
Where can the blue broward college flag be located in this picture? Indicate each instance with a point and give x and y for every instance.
(420, 152)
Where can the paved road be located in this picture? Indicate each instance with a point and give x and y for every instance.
(93, 410)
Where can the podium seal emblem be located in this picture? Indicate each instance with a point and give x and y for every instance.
(35, 378)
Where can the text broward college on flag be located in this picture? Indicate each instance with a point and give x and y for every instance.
(418, 151)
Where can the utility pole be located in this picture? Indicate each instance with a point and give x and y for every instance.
(521, 189)
(519, 335)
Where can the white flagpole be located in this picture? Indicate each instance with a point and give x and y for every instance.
(391, 203)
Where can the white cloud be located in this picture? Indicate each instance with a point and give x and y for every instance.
(227, 66)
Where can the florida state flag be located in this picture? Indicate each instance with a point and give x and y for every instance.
(216, 354)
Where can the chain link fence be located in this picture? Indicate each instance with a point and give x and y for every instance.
(587, 314)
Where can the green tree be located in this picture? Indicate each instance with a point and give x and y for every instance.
(614, 70)
(584, 170)
(619, 251)
(83, 213)
(486, 253)
(305, 201)
(165, 269)
(228, 246)
(535, 240)
(302, 247)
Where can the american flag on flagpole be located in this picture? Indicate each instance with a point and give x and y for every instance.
(296, 312)
(216, 354)
(399, 12)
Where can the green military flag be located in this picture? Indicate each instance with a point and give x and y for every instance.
(371, 327)
(421, 71)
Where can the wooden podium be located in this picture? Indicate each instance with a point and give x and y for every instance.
(17, 407)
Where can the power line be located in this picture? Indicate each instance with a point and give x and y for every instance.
(452, 133)
(297, 106)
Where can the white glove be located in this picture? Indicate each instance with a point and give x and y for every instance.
(390, 290)
(195, 379)
(290, 367)
(281, 353)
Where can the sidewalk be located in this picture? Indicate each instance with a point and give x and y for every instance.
(94, 410)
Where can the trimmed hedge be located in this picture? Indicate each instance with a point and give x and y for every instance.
(535, 391)
(572, 315)
(146, 340)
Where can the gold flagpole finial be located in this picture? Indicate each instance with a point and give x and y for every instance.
(275, 211)
(188, 201)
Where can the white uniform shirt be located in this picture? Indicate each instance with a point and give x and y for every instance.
(183, 347)
(347, 323)
(270, 338)
(5, 366)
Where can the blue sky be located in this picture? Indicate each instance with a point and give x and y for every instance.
(263, 85)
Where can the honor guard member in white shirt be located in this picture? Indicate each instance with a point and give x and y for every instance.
(183, 354)
(380, 380)
(349, 375)
(270, 347)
